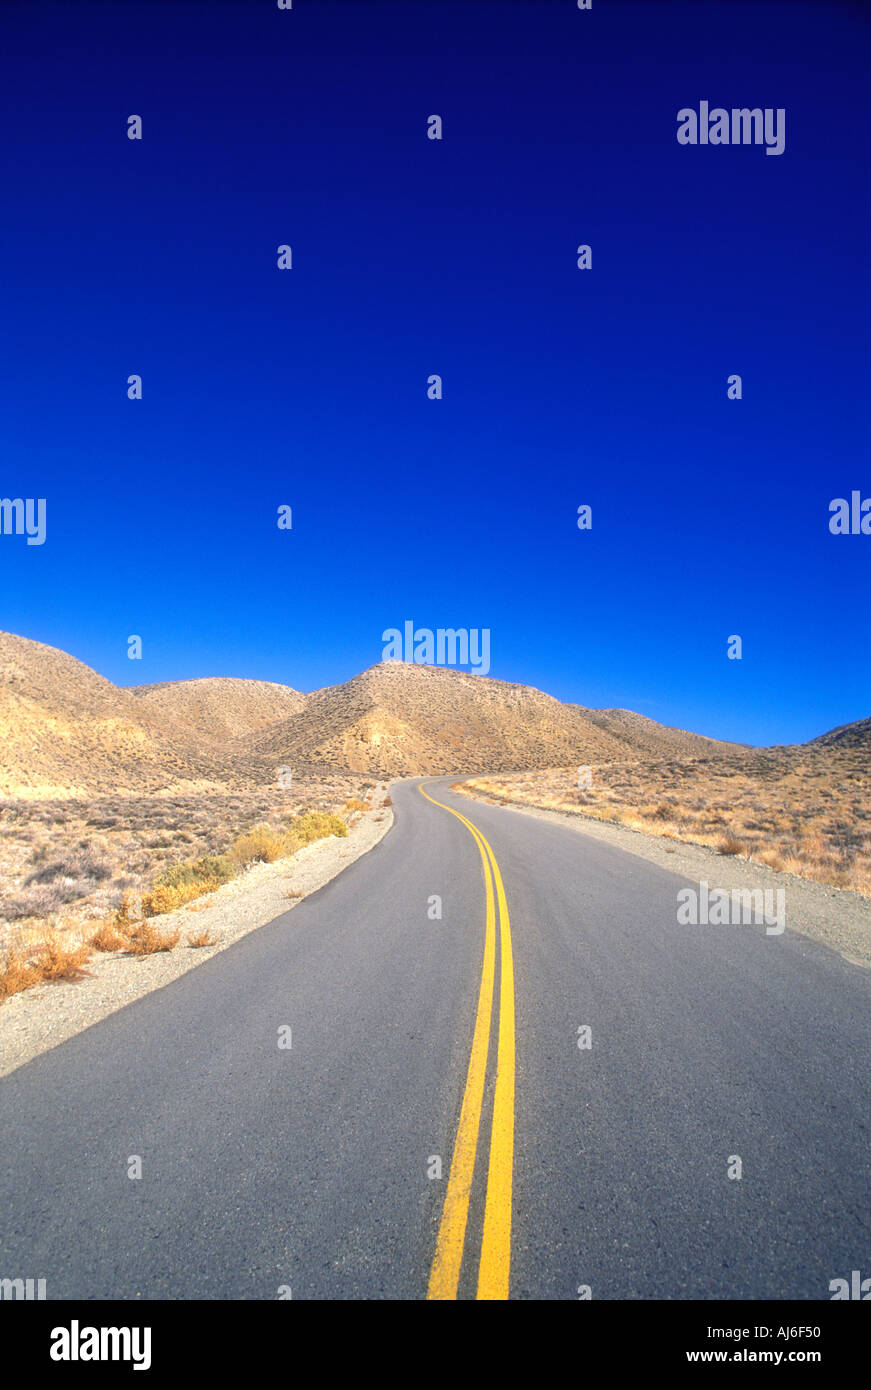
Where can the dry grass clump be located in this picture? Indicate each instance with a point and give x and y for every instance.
(59, 959)
(181, 883)
(727, 844)
(204, 937)
(135, 936)
(51, 959)
(17, 972)
(265, 845)
(145, 939)
(165, 898)
(108, 937)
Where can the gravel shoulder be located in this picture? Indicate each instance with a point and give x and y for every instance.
(835, 917)
(47, 1015)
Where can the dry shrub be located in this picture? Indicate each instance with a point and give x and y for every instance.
(145, 939)
(209, 868)
(108, 937)
(124, 914)
(16, 973)
(317, 825)
(806, 812)
(259, 846)
(203, 937)
(57, 959)
(727, 844)
(290, 843)
(180, 883)
(85, 862)
(166, 899)
(51, 960)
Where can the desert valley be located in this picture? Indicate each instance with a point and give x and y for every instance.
(121, 804)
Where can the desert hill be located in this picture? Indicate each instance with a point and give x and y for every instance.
(398, 719)
(67, 731)
(856, 735)
(221, 707)
(644, 738)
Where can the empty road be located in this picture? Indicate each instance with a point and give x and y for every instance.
(434, 1128)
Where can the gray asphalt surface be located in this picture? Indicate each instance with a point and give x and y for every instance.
(307, 1167)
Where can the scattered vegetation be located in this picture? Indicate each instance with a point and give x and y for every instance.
(802, 810)
(41, 952)
(80, 864)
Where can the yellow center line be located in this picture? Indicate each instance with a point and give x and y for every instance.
(495, 1268)
(445, 1273)
(495, 1263)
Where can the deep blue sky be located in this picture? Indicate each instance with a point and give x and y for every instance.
(457, 257)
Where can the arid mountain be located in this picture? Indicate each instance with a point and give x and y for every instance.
(397, 719)
(644, 738)
(221, 707)
(67, 731)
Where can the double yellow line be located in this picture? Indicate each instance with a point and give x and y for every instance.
(495, 1263)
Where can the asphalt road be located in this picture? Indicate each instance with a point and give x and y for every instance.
(308, 1167)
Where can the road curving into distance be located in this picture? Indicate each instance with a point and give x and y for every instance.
(435, 1130)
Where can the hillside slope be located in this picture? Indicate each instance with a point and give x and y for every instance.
(64, 730)
(67, 731)
(221, 707)
(396, 719)
(856, 735)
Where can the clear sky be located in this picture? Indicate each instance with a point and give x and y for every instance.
(411, 256)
